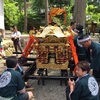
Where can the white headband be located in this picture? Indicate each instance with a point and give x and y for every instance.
(83, 40)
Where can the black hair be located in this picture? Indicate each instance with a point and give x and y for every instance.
(72, 23)
(79, 27)
(84, 65)
(14, 27)
(11, 62)
(53, 23)
(22, 60)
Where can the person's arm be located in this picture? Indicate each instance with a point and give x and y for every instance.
(20, 84)
(71, 85)
(22, 91)
(76, 93)
(18, 34)
(95, 56)
(95, 62)
(1, 54)
(13, 35)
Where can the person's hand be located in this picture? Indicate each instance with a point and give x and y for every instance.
(15, 37)
(71, 83)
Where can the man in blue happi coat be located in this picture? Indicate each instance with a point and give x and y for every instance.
(94, 48)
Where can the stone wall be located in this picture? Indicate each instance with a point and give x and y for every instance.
(8, 44)
(8, 47)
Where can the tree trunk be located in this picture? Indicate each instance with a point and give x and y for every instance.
(25, 19)
(20, 11)
(79, 11)
(46, 12)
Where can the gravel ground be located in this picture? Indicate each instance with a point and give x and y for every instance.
(52, 90)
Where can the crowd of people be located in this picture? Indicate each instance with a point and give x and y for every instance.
(87, 71)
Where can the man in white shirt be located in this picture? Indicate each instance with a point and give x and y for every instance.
(16, 39)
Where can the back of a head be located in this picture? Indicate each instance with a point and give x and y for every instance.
(11, 62)
(72, 23)
(15, 28)
(84, 65)
(22, 60)
(79, 27)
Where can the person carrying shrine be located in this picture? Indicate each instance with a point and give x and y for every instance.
(94, 48)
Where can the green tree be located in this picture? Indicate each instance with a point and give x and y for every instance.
(38, 5)
(93, 11)
(38, 8)
(95, 3)
(11, 13)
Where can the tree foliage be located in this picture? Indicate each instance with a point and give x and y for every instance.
(11, 13)
(59, 3)
(95, 4)
(38, 5)
(93, 11)
(14, 11)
